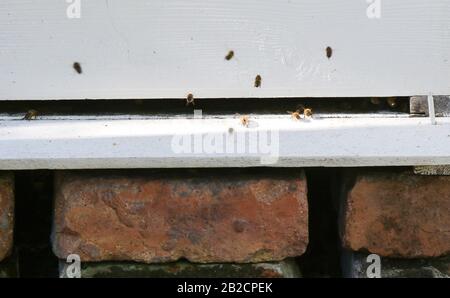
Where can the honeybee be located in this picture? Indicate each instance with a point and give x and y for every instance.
(245, 121)
(229, 55)
(190, 99)
(392, 102)
(375, 100)
(258, 81)
(77, 67)
(295, 115)
(329, 51)
(307, 113)
(30, 115)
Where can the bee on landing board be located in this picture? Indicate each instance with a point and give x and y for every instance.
(295, 115)
(307, 113)
(244, 120)
(30, 115)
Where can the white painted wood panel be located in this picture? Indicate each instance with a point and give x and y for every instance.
(168, 48)
(91, 144)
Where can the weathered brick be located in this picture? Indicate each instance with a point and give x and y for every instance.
(6, 213)
(398, 214)
(356, 265)
(182, 269)
(203, 216)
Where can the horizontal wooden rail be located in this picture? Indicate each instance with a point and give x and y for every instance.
(276, 140)
(115, 49)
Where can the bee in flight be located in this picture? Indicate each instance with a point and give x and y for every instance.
(77, 67)
(258, 81)
(329, 51)
(229, 55)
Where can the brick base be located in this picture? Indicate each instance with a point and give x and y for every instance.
(398, 214)
(203, 216)
(6, 214)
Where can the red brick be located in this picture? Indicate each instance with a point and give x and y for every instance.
(398, 214)
(205, 216)
(6, 214)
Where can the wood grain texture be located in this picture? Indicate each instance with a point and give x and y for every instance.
(169, 48)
